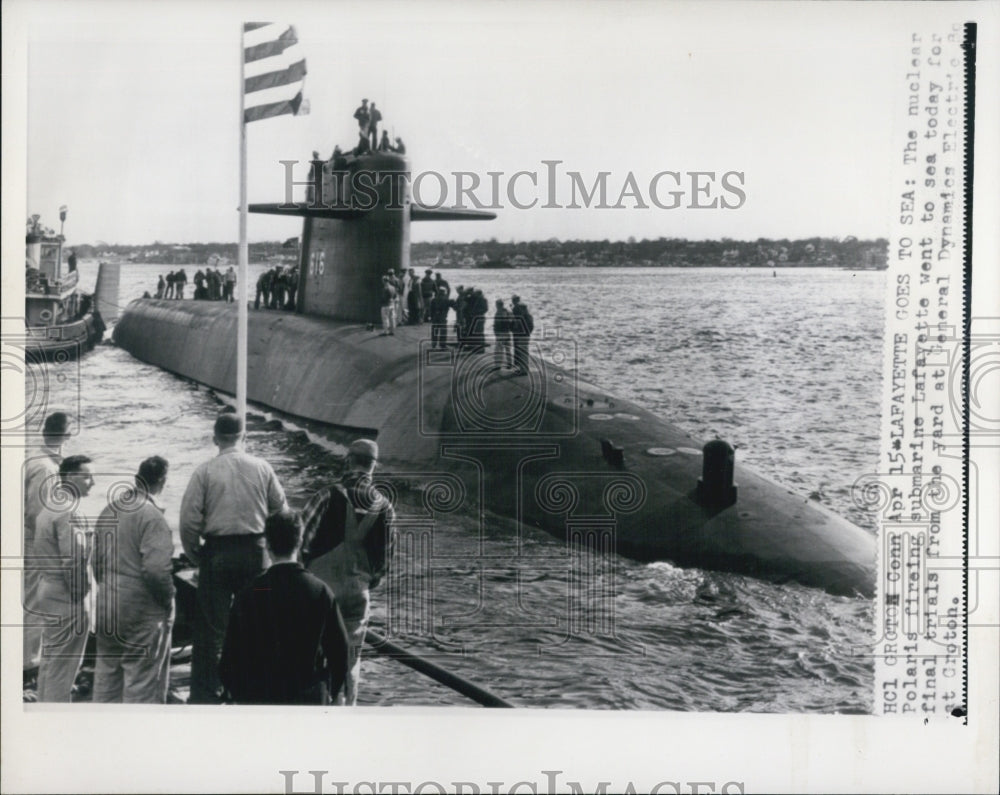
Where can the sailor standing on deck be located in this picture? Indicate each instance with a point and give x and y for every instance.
(41, 473)
(133, 551)
(263, 289)
(222, 530)
(180, 282)
(64, 540)
(503, 356)
(521, 326)
(361, 114)
(440, 306)
(348, 540)
(374, 117)
(387, 299)
(427, 293)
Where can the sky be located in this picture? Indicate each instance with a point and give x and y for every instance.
(132, 113)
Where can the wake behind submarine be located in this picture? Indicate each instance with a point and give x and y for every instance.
(548, 450)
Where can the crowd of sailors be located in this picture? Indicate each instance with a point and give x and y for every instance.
(210, 284)
(283, 596)
(406, 300)
(276, 288)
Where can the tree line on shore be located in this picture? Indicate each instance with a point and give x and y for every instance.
(848, 252)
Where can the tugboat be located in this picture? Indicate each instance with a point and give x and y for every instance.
(60, 321)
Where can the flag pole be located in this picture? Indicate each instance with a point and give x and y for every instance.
(242, 288)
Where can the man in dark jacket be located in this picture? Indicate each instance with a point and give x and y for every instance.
(374, 117)
(427, 292)
(263, 289)
(460, 303)
(441, 283)
(292, 282)
(286, 642)
(478, 306)
(440, 305)
(414, 300)
(278, 284)
(521, 325)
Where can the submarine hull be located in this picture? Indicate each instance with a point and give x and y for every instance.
(546, 449)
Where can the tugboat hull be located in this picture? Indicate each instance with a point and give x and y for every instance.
(65, 341)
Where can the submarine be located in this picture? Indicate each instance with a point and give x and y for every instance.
(547, 450)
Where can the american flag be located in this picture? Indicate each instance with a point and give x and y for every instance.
(269, 51)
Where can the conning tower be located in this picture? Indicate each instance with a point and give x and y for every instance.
(356, 227)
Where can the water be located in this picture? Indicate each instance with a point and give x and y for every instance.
(786, 368)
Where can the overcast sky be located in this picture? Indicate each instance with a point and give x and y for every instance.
(133, 109)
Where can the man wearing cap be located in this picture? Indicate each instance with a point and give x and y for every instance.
(347, 543)
(41, 471)
(222, 530)
(427, 292)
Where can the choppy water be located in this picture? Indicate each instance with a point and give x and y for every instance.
(788, 368)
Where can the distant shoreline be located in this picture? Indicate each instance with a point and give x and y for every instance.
(849, 252)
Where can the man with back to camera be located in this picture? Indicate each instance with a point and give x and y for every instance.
(286, 642)
(348, 540)
(440, 306)
(427, 292)
(41, 473)
(180, 282)
(521, 326)
(263, 289)
(133, 551)
(64, 537)
(222, 529)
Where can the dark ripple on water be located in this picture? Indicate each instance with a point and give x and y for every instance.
(788, 369)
